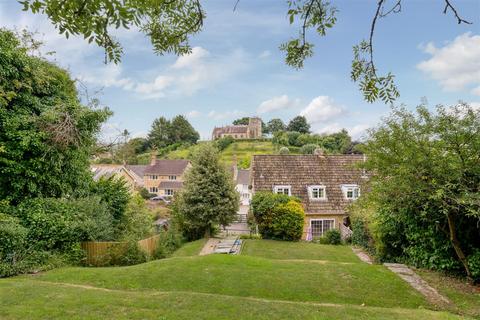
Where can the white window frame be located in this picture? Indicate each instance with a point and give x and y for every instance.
(346, 188)
(153, 190)
(320, 187)
(172, 177)
(323, 226)
(169, 192)
(278, 188)
(154, 177)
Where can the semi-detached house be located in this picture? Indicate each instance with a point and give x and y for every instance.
(326, 185)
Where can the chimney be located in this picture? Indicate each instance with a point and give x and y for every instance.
(153, 157)
(319, 152)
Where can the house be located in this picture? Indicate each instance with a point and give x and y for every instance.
(133, 175)
(326, 185)
(241, 177)
(251, 131)
(164, 177)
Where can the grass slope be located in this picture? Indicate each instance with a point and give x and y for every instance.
(270, 280)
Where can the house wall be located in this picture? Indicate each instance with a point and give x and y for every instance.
(148, 182)
(312, 216)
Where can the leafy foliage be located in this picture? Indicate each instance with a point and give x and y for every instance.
(46, 135)
(114, 193)
(276, 125)
(224, 142)
(299, 124)
(308, 148)
(277, 215)
(208, 197)
(136, 222)
(13, 238)
(332, 236)
(425, 191)
(284, 150)
(165, 133)
(169, 241)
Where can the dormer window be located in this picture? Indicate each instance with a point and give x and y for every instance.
(282, 190)
(351, 191)
(317, 193)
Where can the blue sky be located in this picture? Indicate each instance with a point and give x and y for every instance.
(237, 70)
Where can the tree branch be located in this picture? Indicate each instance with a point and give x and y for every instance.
(459, 19)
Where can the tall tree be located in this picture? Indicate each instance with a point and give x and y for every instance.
(46, 135)
(299, 124)
(276, 125)
(170, 24)
(241, 121)
(182, 131)
(426, 186)
(208, 198)
(159, 135)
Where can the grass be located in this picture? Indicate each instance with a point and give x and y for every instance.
(298, 250)
(270, 280)
(246, 149)
(465, 297)
(190, 249)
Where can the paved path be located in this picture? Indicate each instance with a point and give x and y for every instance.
(209, 246)
(417, 283)
(362, 255)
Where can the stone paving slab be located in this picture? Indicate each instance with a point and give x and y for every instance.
(417, 283)
(362, 255)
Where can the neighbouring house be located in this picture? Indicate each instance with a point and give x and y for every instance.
(164, 177)
(241, 177)
(326, 185)
(251, 131)
(133, 175)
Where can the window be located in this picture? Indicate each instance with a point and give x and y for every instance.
(317, 192)
(282, 190)
(153, 189)
(154, 177)
(318, 227)
(351, 192)
(169, 192)
(172, 177)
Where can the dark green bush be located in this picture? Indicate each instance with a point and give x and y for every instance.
(308, 148)
(126, 254)
(360, 236)
(332, 236)
(284, 151)
(13, 238)
(474, 265)
(263, 205)
(145, 194)
(168, 243)
(224, 142)
(114, 193)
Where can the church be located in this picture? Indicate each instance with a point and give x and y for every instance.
(251, 131)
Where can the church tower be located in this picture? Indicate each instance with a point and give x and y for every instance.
(254, 128)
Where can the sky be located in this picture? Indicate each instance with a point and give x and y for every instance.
(236, 69)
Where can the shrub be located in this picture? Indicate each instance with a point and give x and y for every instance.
(331, 237)
(284, 150)
(360, 236)
(126, 255)
(287, 223)
(145, 194)
(224, 142)
(308, 148)
(114, 192)
(136, 222)
(168, 243)
(263, 205)
(251, 236)
(474, 265)
(13, 238)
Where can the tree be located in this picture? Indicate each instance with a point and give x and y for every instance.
(159, 135)
(170, 24)
(241, 121)
(426, 189)
(208, 198)
(182, 131)
(46, 135)
(338, 142)
(276, 125)
(299, 124)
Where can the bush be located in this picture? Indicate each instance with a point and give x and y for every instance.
(251, 236)
(136, 222)
(145, 194)
(360, 235)
(168, 243)
(224, 142)
(284, 150)
(474, 265)
(114, 193)
(13, 238)
(287, 222)
(263, 205)
(331, 237)
(126, 255)
(308, 148)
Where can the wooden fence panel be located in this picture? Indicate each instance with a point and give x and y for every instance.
(98, 252)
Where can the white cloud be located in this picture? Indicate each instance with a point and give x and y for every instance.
(455, 66)
(155, 89)
(107, 76)
(192, 59)
(193, 114)
(322, 109)
(277, 103)
(265, 54)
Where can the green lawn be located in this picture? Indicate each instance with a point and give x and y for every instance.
(298, 250)
(190, 249)
(270, 280)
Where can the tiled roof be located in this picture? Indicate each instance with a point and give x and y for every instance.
(109, 170)
(167, 167)
(301, 171)
(171, 185)
(231, 129)
(137, 169)
(243, 176)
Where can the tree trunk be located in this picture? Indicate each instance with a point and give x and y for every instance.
(456, 244)
(207, 232)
